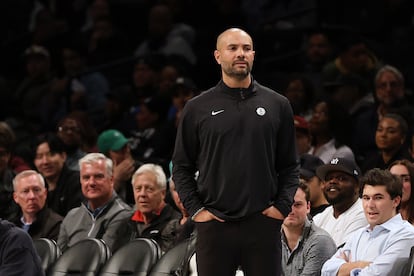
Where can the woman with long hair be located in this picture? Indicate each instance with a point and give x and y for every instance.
(404, 169)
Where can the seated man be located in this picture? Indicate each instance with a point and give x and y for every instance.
(153, 218)
(30, 194)
(18, 256)
(381, 246)
(341, 189)
(308, 165)
(305, 246)
(102, 213)
(114, 145)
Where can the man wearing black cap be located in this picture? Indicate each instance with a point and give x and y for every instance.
(308, 165)
(341, 189)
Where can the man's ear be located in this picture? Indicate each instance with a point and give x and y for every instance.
(163, 194)
(15, 198)
(217, 56)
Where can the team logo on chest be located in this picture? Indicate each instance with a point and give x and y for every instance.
(260, 111)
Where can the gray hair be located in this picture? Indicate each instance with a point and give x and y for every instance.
(155, 170)
(95, 157)
(392, 69)
(27, 173)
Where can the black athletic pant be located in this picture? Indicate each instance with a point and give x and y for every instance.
(252, 243)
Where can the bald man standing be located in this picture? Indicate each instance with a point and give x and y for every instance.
(239, 136)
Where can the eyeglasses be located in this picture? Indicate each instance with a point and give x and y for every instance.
(68, 129)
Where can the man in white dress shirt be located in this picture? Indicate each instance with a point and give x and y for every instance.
(384, 244)
(341, 189)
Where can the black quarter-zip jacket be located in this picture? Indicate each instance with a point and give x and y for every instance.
(242, 143)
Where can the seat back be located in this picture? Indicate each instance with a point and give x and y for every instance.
(134, 258)
(403, 266)
(175, 260)
(410, 263)
(48, 251)
(85, 258)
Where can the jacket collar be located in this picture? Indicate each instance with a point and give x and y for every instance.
(238, 93)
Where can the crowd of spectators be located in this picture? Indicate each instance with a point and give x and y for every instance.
(131, 65)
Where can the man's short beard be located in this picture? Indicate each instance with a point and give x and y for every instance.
(340, 199)
(240, 75)
(333, 201)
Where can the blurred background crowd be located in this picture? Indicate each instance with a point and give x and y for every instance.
(80, 67)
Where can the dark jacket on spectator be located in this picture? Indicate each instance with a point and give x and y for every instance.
(17, 253)
(163, 229)
(68, 193)
(46, 225)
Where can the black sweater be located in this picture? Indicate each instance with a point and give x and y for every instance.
(242, 142)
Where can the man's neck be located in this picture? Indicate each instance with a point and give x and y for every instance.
(148, 217)
(237, 83)
(342, 207)
(292, 235)
(29, 218)
(98, 203)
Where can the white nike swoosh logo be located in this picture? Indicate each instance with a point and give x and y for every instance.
(216, 112)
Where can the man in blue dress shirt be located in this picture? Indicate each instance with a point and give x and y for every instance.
(381, 246)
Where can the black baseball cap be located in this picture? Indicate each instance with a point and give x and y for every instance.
(340, 164)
